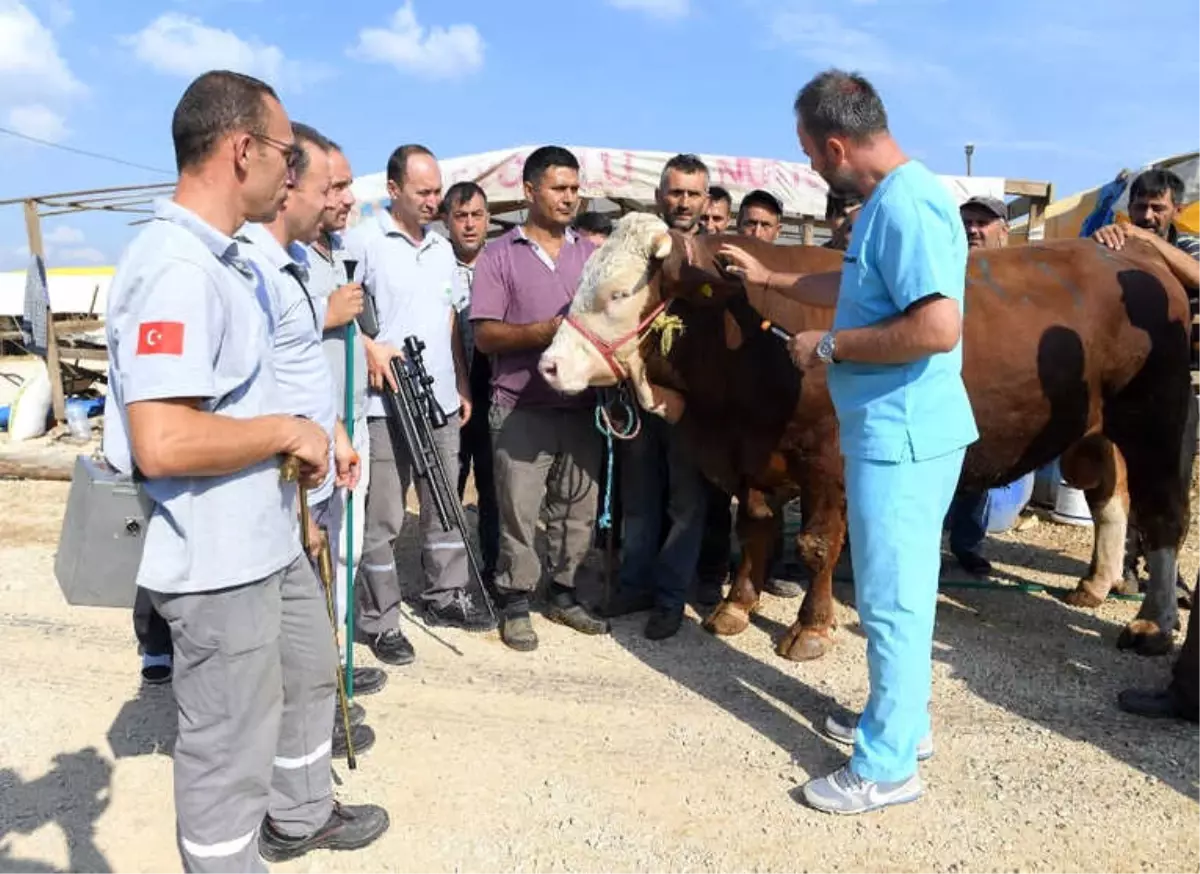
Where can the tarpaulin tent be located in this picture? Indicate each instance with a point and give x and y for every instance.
(628, 178)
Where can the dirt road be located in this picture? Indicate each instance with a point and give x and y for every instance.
(619, 754)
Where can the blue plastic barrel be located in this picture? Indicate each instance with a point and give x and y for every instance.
(1005, 503)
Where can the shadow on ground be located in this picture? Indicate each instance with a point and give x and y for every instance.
(73, 795)
(1029, 654)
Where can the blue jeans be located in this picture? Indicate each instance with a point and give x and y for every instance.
(656, 472)
(895, 514)
(968, 521)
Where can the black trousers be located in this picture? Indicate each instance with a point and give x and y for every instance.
(1185, 676)
(152, 630)
(475, 453)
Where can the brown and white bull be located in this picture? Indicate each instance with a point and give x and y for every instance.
(1069, 349)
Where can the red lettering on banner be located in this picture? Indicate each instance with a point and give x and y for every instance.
(740, 175)
(160, 338)
(611, 178)
(509, 174)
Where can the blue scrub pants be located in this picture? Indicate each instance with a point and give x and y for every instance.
(895, 514)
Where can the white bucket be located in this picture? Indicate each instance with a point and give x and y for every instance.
(1070, 507)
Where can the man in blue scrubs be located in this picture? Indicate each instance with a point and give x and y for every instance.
(894, 360)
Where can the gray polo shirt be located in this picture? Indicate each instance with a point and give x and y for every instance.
(326, 275)
(305, 384)
(413, 288)
(189, 317)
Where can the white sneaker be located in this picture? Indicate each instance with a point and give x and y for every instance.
(841, 729)
(844, 792)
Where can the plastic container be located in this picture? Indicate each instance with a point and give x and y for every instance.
(1005, 503)
(1045, 485)
(1070, 507)
(77, 419)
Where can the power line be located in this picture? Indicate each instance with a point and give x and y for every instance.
(87, 154)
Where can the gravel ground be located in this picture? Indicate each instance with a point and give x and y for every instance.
(619, 754)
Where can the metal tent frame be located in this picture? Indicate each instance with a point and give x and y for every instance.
(127, 199)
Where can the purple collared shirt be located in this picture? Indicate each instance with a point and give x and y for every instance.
(515, 284)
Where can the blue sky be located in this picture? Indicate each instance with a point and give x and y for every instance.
(1063, 90)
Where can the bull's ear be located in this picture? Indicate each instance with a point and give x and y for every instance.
(660, 246)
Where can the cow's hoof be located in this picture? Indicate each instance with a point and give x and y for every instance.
(728, 619)
(1081, 597)
(1145, 638)
(804, 644)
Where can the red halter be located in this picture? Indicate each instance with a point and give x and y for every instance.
(608, 350)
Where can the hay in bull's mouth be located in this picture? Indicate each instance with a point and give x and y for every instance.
(668, 327)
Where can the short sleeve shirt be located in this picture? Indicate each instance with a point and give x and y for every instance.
(305, 384)
(188, 317)
(517, 283)
(412, 285)
(908, 243)
(327, 273)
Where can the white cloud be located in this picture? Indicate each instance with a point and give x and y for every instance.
(59, 12)
(62, 235)
(34, 76)
(83, 256)
(440, 53)
(38, 121)
(655, 8)
(181, 45)
(64, 245)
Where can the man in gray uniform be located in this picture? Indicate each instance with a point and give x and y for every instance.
(195, 416)
(305, 384)
(343, 301)
(409, 272)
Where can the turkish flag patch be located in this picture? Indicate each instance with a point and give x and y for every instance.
(160, 338)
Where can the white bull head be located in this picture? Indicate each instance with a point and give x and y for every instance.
(597, 343)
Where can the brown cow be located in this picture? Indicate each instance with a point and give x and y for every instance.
(1069, 348)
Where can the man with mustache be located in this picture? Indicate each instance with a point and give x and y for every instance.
(466, 216)
(663, 494)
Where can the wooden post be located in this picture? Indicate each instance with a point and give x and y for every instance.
(33, 231)
(806, 230)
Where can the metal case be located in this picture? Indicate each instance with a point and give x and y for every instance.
(103, 534)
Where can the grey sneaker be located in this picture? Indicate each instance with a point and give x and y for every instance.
(841, 729)
(844, 792)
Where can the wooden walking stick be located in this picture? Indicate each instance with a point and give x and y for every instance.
(290, 472)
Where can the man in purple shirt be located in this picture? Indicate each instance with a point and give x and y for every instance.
(545, 444)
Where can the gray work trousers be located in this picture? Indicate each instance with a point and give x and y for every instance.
(377, 592)
(551, 455)
(255, 681)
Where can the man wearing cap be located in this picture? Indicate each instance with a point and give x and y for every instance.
(985, 219)
(760, 215)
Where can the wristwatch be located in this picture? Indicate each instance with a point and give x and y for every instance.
(827, 348)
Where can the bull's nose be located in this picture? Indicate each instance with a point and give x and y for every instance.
(548, 367)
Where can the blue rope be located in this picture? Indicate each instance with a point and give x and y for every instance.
(605, 426)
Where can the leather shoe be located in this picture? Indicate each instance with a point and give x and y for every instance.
(368, 680)
(391, 647)
(577, 617)
(349, 827)
(516, 630)
(462, 611)
(625, 601)
(1156, 704)
(664, 622)
(364, 739)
